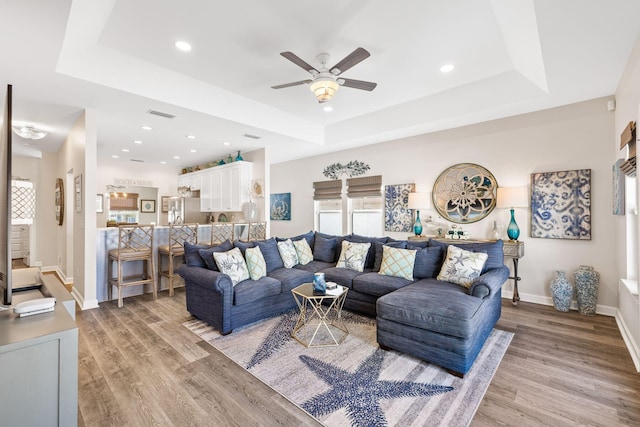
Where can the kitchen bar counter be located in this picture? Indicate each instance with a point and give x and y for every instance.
(107, 239)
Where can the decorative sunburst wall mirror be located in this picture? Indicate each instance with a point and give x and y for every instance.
(465, 193)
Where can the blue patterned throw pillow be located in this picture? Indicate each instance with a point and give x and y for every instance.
(353, 255)
(398, 262)
(255, 263)
(288, 253)
(303, 250)
(232, 264)
(462, 267)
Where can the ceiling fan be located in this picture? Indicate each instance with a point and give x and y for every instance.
(324, 83)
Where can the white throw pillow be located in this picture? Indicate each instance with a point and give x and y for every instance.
(232, 264)
(462, 267)
(303, 250)
(288, 253)
(255, 263)
(353, 255)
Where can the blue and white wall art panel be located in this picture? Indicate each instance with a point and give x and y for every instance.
(397, 217)
(561, 205)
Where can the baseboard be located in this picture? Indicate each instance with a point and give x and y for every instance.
(84, 305)
(604, 310)
(632, 346)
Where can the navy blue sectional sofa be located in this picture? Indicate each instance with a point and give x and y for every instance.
(440, 322)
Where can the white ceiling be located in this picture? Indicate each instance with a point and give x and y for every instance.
(118, 58)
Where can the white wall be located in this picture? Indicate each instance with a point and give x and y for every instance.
(162, 177)
(577, 136)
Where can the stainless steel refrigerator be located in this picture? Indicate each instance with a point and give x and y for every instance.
(186, 210)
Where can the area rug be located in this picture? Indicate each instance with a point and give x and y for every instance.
(357, 383)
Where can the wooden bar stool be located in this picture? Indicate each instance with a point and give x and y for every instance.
(178, 234)
(257, 230)
(221, 232)
(135, 243)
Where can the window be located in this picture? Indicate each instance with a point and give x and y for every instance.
(328, 206)
(366, 215)
(366, 205)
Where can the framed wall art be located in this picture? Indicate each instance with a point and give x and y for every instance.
(280, 207)
(257, 188)
(147, 206)
(465, 193)
(59, 201)
(397, 216)
(77, 192)
(165, 203)
(561, 205)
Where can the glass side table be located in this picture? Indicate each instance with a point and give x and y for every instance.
(319, 325)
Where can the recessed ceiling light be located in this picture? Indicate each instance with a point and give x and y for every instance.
(146, 127)
(137, 141)
(328, 108)
(176, 157)
(227, 143)
(115, 156)
(183, 46)
(446, 68)
(125, 150)
(163, 162)
(190, 136)
(192, 150)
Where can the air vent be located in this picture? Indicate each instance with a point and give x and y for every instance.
(161, 114)
(248, 135)
(136, 160)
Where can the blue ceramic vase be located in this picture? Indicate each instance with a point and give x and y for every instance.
(587, 281)
(561, 292)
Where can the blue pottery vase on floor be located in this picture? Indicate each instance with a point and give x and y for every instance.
(561, 292)
(587, 281)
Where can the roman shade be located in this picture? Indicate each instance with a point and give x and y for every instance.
(123, 201)
(368, 186)
(325, 190)
(628, 137)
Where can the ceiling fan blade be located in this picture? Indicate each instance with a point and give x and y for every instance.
(301, 82)
(299, 62)
(359, 84)
(352, 59)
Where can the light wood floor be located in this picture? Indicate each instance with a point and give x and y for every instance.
(138, 366)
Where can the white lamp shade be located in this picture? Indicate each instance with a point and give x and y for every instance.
(419, 201)
(512, 197)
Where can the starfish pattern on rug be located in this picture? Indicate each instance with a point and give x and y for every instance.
(360, 392)
(280, 334)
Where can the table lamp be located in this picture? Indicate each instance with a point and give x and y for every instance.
(419, 201)
(513, 197)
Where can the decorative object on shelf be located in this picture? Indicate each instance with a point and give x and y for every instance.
(280, 207)
(511, 198)
(587, 281)
(59, 200)
(222, 217)
(419, 201)
(496, 231)
(221, 162)
(561, 292)
(397, 217)
(465, 193)
(319, 284)
(351, 169)
(229, 158)
(250, 211)
(561, 205)
(239, 157)
(457, 233)
(618, 188)
(257, 187)
(147, 206)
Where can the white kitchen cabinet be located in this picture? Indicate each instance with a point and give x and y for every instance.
(225, 188)
(191, 180)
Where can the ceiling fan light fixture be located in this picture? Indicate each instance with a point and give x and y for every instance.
(324, 88)
(29, 132)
